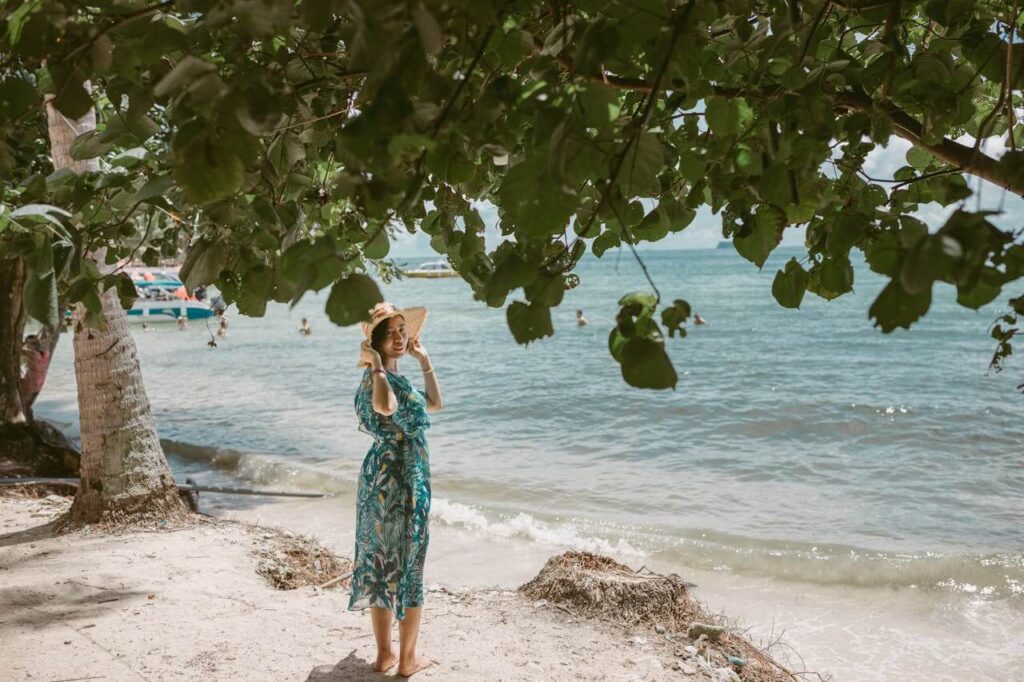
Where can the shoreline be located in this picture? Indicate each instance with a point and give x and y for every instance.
(95, 603)
(857, 630)
(856, 633)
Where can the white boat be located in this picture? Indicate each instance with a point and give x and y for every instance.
(432, 270)
(162, 296)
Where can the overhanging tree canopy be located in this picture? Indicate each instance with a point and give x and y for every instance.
(287, 141)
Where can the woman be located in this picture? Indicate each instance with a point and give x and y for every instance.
(393, 503)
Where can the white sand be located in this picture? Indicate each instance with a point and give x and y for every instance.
(187, 604)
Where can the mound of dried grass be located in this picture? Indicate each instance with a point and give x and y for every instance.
(598, 587)
(288, 562)
(592, 586)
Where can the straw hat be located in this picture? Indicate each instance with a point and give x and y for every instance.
(383, 311)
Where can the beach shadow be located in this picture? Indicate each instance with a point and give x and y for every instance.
(349, 669)
(34, 534)
(27, 607)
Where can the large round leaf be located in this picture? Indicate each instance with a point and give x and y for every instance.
(646, 365)
(351, 300)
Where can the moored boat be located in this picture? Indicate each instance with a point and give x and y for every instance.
(162, 296)
(432, 270)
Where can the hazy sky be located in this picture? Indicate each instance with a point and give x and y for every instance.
(706, 230)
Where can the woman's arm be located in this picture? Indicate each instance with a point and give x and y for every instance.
(384, 401)
(433, 389)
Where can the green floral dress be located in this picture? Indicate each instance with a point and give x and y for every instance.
(393, 503)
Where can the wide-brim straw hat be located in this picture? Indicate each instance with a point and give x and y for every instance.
(382, 312)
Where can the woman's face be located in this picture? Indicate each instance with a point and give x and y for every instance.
(396, 339)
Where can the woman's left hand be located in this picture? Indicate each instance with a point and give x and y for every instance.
(417, 350)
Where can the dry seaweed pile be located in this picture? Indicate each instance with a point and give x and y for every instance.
(598, 587)
(288, 561)
(592, 586)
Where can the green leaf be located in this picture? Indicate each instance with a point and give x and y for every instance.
(639, 173)
(546, 290)
(41, 213)
(606, 240)
(257, 286)
(16, 97)
(836, 275)
(184, 72)
(894, 307)
(535, 205)
(645, 300)
(60, 178)
(126, 291)
(40, 293)
(646, 365)
(378, 247)
(933, 257)
(207, 170)
(726, 115)
(203, 264)
(616, 342)
(18, 17)
(790, 284)
(884, 254)
(764, 237)
(599, 105)
(286, 151)
(850, 229)
(984, 291)
(351, 299)
(154, 188)
(919, 158)
(529, 322)
(72, 99)
(691, 166)
(674, 316)
(88, 145)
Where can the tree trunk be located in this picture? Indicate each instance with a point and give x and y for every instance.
(124, 473)
(12, 330)
(16, 442)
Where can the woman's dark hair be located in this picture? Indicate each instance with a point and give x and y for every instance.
(379, 334)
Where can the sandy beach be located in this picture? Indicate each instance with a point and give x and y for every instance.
(188, 603)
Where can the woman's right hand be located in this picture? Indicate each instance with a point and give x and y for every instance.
(368, 355)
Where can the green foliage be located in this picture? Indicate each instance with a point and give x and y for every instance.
(284, 145)
(790, 284)
(352, 298)
(529, 322)
(636, 341)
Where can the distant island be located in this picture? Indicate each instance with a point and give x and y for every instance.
(724, 245)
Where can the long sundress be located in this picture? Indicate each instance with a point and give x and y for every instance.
(393, 503)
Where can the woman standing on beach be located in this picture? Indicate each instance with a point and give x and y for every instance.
(393, 503)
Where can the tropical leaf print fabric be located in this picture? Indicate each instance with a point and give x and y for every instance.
(393, 503)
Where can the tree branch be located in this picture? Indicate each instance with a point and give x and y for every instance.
(947, 150)
(122, 20)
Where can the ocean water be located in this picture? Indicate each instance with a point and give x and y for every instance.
(800, 447)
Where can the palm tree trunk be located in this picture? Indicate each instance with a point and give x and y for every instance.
(124, 472)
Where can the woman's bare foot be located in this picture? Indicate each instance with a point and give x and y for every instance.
(386, 663)
(408, 670)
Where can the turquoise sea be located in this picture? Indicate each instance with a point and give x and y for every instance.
(801, 447)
